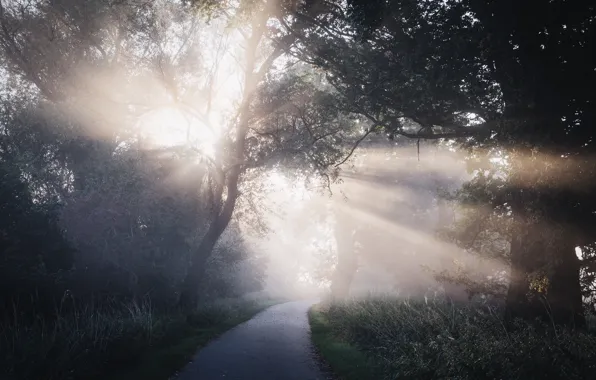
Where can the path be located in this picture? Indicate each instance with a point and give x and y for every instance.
(274, 345)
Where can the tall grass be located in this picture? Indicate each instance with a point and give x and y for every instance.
(93, 343)
(439, 340)
(80, 342)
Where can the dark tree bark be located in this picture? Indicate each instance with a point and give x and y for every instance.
(544, 282)
(521, 301)
(192, 282)
(564, 296)
(191, 285)
(228, 178)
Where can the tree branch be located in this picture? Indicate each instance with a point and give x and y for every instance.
(355, 146)
(461, 132)
(285, 44)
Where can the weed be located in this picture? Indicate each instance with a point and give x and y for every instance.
(93, 343)
(439, 340)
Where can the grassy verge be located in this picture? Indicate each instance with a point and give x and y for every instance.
(437, 340)
(127, 342)
(164, 359)
(342, 358)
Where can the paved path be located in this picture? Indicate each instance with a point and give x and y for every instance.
(274, 345)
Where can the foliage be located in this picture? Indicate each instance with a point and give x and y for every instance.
(458, 69)
(28, 227)
(437, 340)
(73, 130)
(233, 269)
(33, 248)
(425, 80)
(304, 129)
(123, 341)
(341, 358)
(139, 215)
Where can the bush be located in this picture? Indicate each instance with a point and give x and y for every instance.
(438, 340)
(75, 344)
(94, 342)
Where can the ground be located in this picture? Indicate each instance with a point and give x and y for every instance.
(275, 344)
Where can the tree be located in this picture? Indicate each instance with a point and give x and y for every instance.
(32, 245)
(536, 59)
(424, 84)
(406, 77)
(439, 66)
(101, 68)
(79, 69)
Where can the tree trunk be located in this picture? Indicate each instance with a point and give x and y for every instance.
(546, 248)
(521, 301)
(347, 260)
(229, 176)
(343, 276)
(544, 280)
(564, 296)
(191, 285)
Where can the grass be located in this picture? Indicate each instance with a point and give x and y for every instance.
(164, 360)
(125, 342)
(344, 359)
(398, 339)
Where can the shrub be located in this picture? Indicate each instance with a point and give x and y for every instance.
(90, 342)
(75, 344)
(438, 340)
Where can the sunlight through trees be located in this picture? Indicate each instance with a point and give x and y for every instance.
(187, 151)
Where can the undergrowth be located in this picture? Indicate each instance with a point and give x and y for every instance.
(89, 343)
(439, 340)
(342, 358)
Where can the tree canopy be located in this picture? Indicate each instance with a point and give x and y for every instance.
(248, 88)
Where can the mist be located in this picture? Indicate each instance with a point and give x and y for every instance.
(172, 168)
(385, 213)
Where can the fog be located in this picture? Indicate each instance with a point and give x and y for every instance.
(384, 213)
(151, 126)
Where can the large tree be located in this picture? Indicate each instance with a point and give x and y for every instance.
(539, 52)
(505, 76)
(97, 71)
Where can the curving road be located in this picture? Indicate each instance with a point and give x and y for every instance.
(273, 345)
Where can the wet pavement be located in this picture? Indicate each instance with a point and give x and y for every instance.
(273, 345)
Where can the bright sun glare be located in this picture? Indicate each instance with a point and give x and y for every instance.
(221, 90)
(170, 127)
(296, 192)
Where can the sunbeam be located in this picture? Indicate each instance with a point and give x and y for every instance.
(412, 183)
